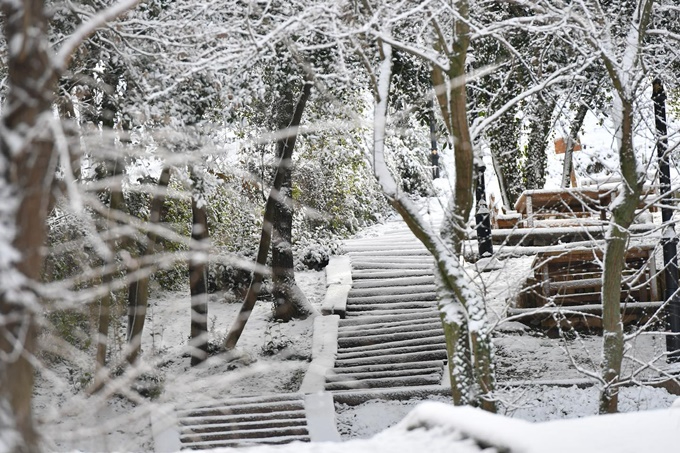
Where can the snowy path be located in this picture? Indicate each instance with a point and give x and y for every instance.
(390, 339)
(385, 341)
(391, 335)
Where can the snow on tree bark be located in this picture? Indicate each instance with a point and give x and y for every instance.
(289, 301)
(462, 309)
(198, 279)
(624, 75)
(266, 236)
(27, 164)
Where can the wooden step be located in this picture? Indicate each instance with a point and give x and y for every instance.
(392, 265)
(260, 433)
(392, 336)
(388, 328)
(247, 408)
(401, 381)
(332, 377)
(394, 282)
(389, 298)
(211, 444)
(438, 354)
(392, 291)
(402, 367)
(243, 426)
(387, 274)
(436, 339)
(411, 317)
(392, 351)
(415, 305)
(409, 311)
(240, 418)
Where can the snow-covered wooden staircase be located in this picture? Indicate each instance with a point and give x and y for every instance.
(391, 334)
(246, 421)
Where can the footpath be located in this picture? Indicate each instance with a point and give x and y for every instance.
(379, 336)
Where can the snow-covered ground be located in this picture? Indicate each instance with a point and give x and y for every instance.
(273, 358)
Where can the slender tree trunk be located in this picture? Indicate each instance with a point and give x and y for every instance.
(198, 284)
(26, 169)
(462, 309)
(623, 207)
(290, 302)
(614, 258)
(113, 169)
(574, 129)
(503, 142)
(138, 292)
(266, 235)
(538, 139)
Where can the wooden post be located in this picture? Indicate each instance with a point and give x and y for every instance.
(669, 238)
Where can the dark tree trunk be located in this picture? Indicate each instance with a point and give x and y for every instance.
(138, 292)
(574, 129)
(503, 135)
(112, 169)
(538, 140)
(198, 283)
(290, 302)
(26, 169)
(266, 235)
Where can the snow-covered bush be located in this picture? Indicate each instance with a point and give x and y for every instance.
(408, 157)
(335, 195)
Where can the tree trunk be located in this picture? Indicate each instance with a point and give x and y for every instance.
(114, 169)
(617, 237)
(505, 153)
(266, 235)
(138, 292)
(574, 129)
(198, 283)
(289, 301)
(459, 293)
(26, 169)
(538, 139)
(623, 207)
(462, 309)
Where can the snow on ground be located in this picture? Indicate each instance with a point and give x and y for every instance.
(274, 357)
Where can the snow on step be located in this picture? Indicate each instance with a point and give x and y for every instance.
(388, 319)
(423, 338)
(397, 306)
(386, 334)
(427, 279)
(391, 290)
(378, 295)
(368, 275)
(366, 359)
(398, 311)
(400, 381)
(392, 264)
(272, 419)
(381, 369)
(391, 336)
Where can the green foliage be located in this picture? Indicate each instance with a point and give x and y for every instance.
(72, 326)
(408, 154)
(335, 195)
(149, 385)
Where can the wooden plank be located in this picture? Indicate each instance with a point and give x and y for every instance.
(574, 255)
(629, 307)
(564, 199)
